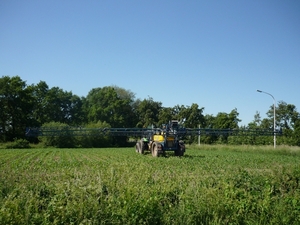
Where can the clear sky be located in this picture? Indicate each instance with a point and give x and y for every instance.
(215, 53)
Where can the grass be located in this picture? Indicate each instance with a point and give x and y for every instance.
(209, 185)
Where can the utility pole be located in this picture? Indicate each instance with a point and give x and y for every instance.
(199, 135)
(274, 114)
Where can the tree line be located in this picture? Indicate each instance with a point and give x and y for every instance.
(37, 105)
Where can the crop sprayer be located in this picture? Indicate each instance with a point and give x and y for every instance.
(156, 140)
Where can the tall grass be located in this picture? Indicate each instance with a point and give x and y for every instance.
(209, 185)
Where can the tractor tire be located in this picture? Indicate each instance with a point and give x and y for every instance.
(154, 150)
(180, 149)
(142, 147)
(138, 147)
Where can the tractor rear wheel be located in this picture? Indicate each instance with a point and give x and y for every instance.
(180, 149)
(142, 147)
(138, 147)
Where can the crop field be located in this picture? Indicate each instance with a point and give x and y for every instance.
(209, 185)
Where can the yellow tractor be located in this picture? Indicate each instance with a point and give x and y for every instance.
(160, 140)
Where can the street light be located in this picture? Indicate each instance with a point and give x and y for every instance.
(274, 115)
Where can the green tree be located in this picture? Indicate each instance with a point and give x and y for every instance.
(192, 116)
(42, 111)
(104, 104)
(257, 119)
(148, 112)
(227, 121)
(56, 105)
(257, 123)
(63, 106)
(248, 139)
(286, 115)
(16, 104)
(124, 94)
(296, 133)
(165, 115)
(209, 124)
(221, 121)
(128, 97)
(287, 119)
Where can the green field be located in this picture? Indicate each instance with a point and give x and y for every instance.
(209, 185)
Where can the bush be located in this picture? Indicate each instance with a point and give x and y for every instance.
(94, 138)
(18, 143)
(61, 137)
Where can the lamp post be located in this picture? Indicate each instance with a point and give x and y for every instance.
(274, 115)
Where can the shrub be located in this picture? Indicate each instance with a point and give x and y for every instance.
(18, 143)
(64, 140)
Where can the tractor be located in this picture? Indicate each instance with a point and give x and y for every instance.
(160, 140)
(156, 140)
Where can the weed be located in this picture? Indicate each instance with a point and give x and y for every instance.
(210, 185)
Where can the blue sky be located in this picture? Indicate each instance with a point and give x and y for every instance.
(214, 53)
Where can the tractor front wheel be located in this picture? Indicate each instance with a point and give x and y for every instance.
(157, 150)
(154, 150)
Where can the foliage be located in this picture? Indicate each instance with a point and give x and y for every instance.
(67, 140)
(38, 105)
(148, 113)
(17, 144)
(90, 139)
(16, 105)
(191, 116)
(60, 106)
(286, 115)
(296, 134)
(227, 121)
(93, 139)
(210, 185)
(107, 105)
(165, 115)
